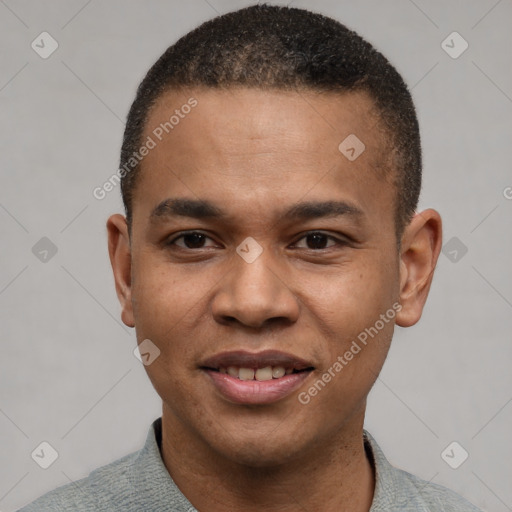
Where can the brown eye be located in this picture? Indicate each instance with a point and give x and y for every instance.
(192, 240)
(318, 241)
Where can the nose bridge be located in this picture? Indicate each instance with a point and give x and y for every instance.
(252, 292)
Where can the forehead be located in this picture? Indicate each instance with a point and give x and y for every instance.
(263, 144)
(314, 120)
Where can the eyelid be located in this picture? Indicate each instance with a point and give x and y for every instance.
(181, 234)
(340, 240)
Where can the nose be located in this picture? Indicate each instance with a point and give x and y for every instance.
(255, 295)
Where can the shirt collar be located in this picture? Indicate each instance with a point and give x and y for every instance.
(152, 480)
(394, 490)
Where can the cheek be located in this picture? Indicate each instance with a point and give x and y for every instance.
(359, 291)
(164, 296)
(348, 308)
(164, 307)
(357, 343)
(165, 304)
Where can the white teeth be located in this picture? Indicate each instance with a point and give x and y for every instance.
(264, 373)
(246, 374)
(278, 372)
(261, 374)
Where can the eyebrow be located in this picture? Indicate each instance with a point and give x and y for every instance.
(193, 208)
(202, 209)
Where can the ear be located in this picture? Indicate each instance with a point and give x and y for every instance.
(421, 245)
(120, 258)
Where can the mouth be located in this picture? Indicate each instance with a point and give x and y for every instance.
(256, 378)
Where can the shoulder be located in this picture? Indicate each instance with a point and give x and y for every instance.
(98, 491)
(400, 491)
(138, 481)
(435, 497)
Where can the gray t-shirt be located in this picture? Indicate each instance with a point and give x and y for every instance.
(140, 481)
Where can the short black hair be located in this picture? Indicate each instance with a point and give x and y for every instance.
(273, 47)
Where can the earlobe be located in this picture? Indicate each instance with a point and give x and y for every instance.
(120, 258)
(421, 245)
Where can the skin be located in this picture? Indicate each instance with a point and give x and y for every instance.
(254, 154)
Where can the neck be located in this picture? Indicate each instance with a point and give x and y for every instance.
(334, 476)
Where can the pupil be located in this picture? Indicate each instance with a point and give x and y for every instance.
(193, 240)
(317, 241)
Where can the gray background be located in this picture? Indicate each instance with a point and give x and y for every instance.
(67, 372)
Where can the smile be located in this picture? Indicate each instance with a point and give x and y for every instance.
(263, 378)
(261, 374)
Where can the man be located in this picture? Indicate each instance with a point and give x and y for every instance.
(271, 168)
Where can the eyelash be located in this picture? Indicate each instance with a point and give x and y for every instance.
(339, 242)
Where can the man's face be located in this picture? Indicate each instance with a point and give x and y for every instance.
(319, 282)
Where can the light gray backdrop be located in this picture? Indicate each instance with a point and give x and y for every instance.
(67, 372)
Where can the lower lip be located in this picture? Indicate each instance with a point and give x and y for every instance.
(254, 391)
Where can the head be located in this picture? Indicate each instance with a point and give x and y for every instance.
(278, 48)
(276, 212)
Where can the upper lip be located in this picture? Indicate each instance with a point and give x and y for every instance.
(244, 359)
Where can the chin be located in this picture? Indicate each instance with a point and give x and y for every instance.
(265, 450)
